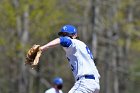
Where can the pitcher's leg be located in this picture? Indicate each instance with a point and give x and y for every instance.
(85, 86)
(78, 88)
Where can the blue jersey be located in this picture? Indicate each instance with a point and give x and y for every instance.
(80, 57)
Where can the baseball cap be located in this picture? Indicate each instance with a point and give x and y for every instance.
(70, 29)
(58, 81)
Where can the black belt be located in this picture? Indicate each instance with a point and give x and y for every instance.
(86, 77)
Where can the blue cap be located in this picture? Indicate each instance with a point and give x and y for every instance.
(70, 29)
(58, 81)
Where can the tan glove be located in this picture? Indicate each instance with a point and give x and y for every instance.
(33, 55)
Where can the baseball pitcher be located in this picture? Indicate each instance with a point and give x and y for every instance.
(80, 59)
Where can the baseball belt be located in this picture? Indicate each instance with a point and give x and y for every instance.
(86, 77)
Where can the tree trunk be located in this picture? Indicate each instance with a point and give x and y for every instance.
(23, 80)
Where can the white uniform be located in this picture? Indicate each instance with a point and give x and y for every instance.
(52, 90)
(81, 61)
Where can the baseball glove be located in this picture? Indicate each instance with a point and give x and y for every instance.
(33, 55)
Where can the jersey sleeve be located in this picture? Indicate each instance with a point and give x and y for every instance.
(65, 41)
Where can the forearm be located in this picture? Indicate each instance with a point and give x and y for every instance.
(51, 44)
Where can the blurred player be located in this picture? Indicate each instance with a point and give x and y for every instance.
(80, 59)
(57, 86)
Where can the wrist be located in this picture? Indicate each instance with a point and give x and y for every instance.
(41, 48)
